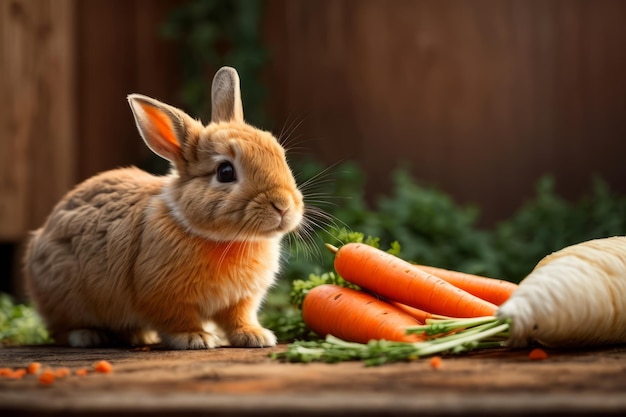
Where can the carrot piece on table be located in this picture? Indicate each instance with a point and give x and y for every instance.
(103, 367)
(496, 291)
(16, 374)
(81, 372)
(5, 371)
(396, 279)
(354, 316)
(62, 372)
(33, 368)
(47, 377)
(436, 362)
(538, 354)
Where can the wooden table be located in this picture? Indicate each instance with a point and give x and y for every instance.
(239, 382)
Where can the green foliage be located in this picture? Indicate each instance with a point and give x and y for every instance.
(214, 33)
(434, 230)
(548, 223)
(20, 324)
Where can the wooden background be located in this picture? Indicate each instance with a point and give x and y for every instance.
(480, 98)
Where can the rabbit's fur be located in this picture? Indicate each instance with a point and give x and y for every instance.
(126, 255)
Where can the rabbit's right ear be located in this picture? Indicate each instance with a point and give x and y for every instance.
(161, 126)
(226, 96)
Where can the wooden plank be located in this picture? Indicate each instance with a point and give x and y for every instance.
(238, 382)
(106, 72)
(111, 64)
(37, 125)
(479, 98)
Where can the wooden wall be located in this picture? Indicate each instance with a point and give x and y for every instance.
(37, 118)
(119, 51)
(479, 97)
(66, 69)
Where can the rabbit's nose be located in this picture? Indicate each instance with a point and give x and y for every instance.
(280, 208)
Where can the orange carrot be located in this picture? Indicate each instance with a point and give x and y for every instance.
(103, 366)
(436, 362)
(494, 290)
(81, 372)
(62, 372)
(47, 377)
(396, 279)
(5, 371)
(538, 354)
(34, 368)
(16, 374)
(354, 316)
(416, 313)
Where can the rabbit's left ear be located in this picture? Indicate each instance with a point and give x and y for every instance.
(226, 96)
(161, 126)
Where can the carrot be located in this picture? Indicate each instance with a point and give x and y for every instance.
(538, 354)
(436, 362)
(354, 316)
(81, 372)
(396, 279)
(16, 374)
(47, 377)
(62, 372)
(103, 367)
(420, 315)
(33, 368)
(5, 371)
(494, 290)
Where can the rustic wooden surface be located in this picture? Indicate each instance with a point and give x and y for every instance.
(236, 382)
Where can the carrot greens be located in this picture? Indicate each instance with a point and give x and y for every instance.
(446, 336)
(439, 335)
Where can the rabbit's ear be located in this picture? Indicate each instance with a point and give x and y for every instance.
(226, 96)
(161, 126)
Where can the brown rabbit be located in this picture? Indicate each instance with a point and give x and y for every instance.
(127, 255)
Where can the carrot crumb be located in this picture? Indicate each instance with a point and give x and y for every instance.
(538, 354)
(34, 368)
(5, 371)
(47, 377)
(436, 362)
(81, 372)
(16, 374)
(62, 372)
(103, 367)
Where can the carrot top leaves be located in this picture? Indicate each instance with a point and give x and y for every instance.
(448, 336)
(300, 288)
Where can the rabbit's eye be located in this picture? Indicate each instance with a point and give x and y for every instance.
(226, 172)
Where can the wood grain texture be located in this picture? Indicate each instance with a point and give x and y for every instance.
(241, 382)
(37, 121)
(479, 98)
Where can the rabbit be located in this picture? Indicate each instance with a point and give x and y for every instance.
(129, 257)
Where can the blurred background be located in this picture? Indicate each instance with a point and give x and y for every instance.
(474, 132)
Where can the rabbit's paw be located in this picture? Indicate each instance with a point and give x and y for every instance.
(142, 337)
(252, 337)
(87, 338)
(191, 340)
